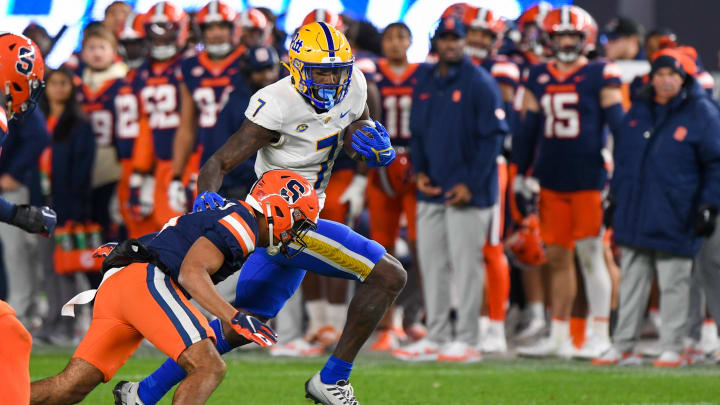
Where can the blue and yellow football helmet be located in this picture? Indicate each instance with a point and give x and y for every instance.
(319, 45)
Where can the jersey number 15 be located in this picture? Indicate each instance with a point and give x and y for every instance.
(561, 121)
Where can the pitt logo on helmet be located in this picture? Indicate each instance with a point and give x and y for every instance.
(319, 50)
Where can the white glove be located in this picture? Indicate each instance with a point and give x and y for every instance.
(177, 196)
(147, 195)
(526, 186)
(355, 196)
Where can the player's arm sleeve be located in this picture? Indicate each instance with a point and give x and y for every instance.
(611, 75)
(506, 73)
(709, 153)
(143, 155)
(265, 110)
(235, 234)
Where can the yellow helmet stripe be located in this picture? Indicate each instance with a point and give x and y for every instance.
(328, 38)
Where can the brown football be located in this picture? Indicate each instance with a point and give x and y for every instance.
(350, 129)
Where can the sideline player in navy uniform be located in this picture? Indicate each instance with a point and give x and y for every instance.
(566, 106)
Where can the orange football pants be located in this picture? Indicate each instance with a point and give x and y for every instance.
(385, 210)
(333, 209)
(139, 301)
(15, 345)
(497, 269)
(569, 216)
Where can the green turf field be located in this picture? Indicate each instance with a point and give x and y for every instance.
(255, 378)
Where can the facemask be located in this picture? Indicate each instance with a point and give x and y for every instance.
(163, 52)
(473, 52)
(219, 50)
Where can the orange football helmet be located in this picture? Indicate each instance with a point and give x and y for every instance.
(217, 12)
(323, 15)
(252, 27)
(131, 37)
(461, 11)
(290, 205)
(167, 29)
(530, 25)
(21, 73)
(571, 20)
(132, 28)
(525, 243)
(484, 19)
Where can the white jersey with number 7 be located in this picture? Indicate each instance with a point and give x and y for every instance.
(309, 142)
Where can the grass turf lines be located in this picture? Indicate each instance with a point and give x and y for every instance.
(254, 377)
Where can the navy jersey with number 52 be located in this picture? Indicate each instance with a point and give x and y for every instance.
(232, 229)
(569, 156)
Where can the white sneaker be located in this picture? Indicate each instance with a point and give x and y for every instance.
(592, 348)
(422, 350)
(548, 347)
(340, 393)
(612, 356)
(669, 359)
(534, 328)
(709, 342)
(693, 354)
(459, 352)
(652, 350)
(296, 348)
(125, 393)
(494, 340)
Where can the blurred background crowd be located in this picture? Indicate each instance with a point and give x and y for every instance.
(151, 92)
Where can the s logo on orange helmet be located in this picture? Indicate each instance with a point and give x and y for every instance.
(26, 59)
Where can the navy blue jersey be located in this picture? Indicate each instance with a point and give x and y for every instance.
(210, 83)
(396, 92)
(573, 134)
(232, 229)
(113, 113)
(157, 86)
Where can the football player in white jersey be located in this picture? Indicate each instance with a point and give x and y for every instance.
(298, 123)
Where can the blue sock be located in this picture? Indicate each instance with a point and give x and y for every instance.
(335, 370)
(7, 210)
(160, 382)
(221, 343)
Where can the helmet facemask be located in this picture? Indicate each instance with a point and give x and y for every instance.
(163, 40)
(222, 49)
(36, 87)
(326, 96)
(477, 50)
(569, 53)
(300, 226)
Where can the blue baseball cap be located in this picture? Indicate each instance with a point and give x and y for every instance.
(450, 25)
(261, 57)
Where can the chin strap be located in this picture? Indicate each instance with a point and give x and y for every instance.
(271, 249)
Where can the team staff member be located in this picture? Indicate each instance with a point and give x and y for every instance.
(666, 188)
(458, 123)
